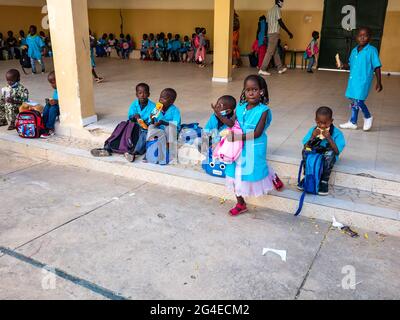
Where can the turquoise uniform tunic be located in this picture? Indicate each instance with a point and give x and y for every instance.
(144, 113)
(35, 46)
(254, 155)
(337, 137)
(171, 115)
(362, 68)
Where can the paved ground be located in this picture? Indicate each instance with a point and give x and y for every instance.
(106, 238)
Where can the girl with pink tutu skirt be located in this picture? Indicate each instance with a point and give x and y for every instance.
(250, 175)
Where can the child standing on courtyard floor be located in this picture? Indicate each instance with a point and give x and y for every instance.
(364, 62)
(93, 44)
(11, 99)
(139, 112)
(36, 46)
(324, 138)
(250, 175)
(51, 110)
(311, 51)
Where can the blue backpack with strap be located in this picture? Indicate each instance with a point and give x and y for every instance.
(314, 166)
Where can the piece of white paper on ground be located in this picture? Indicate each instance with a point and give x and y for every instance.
(337, 224)
(281, 253)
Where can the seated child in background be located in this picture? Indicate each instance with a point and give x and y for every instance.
(152, 46)
(139, 112)
(51, 110)
(168, 47)
(165, 122)
(176, 48)
(12, 96)
(221, 119)
(160, 47)
(328, 140)
(186, 47)
(145, 47)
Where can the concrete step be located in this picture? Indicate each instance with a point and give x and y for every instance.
(288, 167)
(365, 209)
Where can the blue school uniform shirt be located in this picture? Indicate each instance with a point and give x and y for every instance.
(145, 44)
(337, 137)
(144, 113)
(171, 115)
(362, 67)
(55, 94)
(35, 45)
(253, 159)
(176, 45)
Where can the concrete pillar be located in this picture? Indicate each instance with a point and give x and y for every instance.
(223, 32)
(69, 28)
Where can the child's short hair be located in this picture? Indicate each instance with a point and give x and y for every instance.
(51, 74)
(143, 85)
(324, 111)
(367, 29)
(315, 34)
(171, 93)
(229, 101)
(14, 73)
(33, 27)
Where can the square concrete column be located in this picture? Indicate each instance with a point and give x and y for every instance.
(69, 29)
(223, 33)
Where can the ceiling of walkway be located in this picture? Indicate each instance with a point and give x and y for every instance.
(180, 4)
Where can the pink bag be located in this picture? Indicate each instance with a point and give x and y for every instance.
(229, 152)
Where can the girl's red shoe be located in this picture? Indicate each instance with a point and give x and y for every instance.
(278, 184)
(238, 209)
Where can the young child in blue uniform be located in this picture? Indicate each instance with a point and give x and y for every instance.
(145, 47)
(140, 111)
(35, 48)
(166, 124)
(52, 109)
(329, 140)
(221, 119)
(176, 48)
(364, 62)
(250, 174)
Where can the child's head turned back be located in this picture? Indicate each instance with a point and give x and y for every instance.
(52, 79)
(168, 97)
(13, 76)
(315, 35)
(324, 117)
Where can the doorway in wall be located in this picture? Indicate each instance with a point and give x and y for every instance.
(339, 27)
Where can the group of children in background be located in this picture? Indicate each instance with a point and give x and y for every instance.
(109, 43)
(174, 48)
(249, 174)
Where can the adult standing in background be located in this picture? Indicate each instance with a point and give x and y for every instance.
(236, 60)
(275, 23)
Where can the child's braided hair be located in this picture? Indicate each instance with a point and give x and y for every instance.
(263, 87)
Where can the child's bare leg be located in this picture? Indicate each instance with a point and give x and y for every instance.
(94, 73)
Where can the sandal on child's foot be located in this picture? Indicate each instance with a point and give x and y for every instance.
(11, 127)
(130, 157)
(100, 153)
(238, 209)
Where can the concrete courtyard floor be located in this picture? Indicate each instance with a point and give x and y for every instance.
(294, 98)
(108, 238)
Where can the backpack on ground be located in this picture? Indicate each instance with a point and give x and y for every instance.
(153, 153)
(29, 124)
(313, 167)
(124, 138)
(25, 61)
(189, 133)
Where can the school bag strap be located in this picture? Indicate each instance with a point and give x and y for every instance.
(301, 203)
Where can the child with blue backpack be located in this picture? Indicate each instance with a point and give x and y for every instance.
(165, 124)
(325, 139)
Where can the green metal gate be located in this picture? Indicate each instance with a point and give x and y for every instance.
(340, 21)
